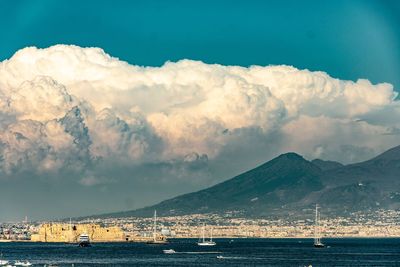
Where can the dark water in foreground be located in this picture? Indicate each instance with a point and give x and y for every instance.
(240, 252)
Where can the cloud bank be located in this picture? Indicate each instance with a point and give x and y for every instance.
(67, 111)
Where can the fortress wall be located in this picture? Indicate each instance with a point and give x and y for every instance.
(57, 232)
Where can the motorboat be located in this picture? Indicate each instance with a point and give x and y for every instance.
(22, 263)
(84, 240)
(169, 251)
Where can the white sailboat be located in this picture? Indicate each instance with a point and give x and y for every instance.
(203, 241)
(160, 240)
(70, 234)
(317, 235)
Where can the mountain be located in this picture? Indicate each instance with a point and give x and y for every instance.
(289, 183)
(326, 164)
(371, 184)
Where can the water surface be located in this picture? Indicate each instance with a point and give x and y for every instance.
(234, 252)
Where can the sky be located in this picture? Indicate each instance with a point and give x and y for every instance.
(114, 105)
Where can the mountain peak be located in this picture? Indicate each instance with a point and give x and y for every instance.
(288, 160)
(291, 155)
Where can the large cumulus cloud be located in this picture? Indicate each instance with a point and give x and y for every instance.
(67, 109)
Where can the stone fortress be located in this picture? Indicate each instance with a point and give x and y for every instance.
(69, 233)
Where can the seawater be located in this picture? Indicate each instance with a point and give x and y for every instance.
(234, 252)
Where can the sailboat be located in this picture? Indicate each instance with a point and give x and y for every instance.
(71, 238)
(160, 240)
(317, 235)
(203, 241)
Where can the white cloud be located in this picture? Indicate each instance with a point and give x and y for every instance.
(40, 99)
(71, 108)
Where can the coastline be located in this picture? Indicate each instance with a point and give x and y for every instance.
(234, 238)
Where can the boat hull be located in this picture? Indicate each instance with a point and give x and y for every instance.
(157, 242)
(208, 244)
(84, 244)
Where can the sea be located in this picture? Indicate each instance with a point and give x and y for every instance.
(227, 252)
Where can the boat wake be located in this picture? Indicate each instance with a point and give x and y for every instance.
(200, 252)
(190, 252)
(230, 257)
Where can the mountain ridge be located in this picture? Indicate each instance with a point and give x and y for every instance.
(290, 183)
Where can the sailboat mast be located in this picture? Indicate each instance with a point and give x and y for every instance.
(204, 232)
(319, 228)
(316, 223)
(70, 230)
(155, 225)
(211, 234)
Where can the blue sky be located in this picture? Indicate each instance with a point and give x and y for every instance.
(347, 39)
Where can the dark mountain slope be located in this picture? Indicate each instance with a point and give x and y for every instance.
(285, 179)
(371, 184)
(326, 164)
(383, 169)
(289, 183)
